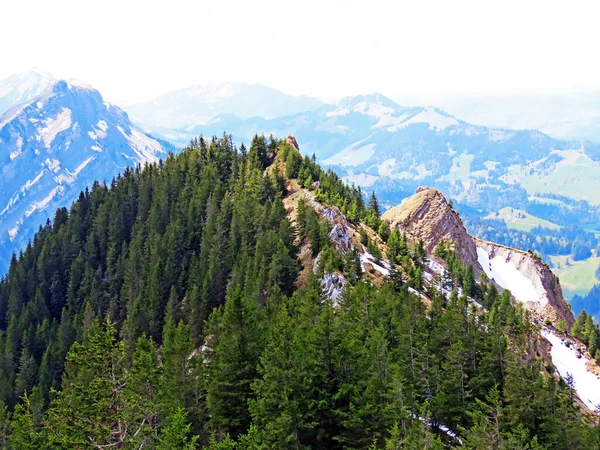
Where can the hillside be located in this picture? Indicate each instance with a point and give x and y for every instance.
(249, 299)
(54, 146)
(521, 220)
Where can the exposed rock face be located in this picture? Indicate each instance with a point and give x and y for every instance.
(427, 216)
(543, 296)
(332, 284)
(293, 142)
(340, 234)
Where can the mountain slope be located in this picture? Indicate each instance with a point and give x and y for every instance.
(55, 146)
(188, 108)
(427, 216)
(196, 267)
(22, 87)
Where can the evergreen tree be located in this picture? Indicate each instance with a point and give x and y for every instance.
(374, 205)
(175, 435)
(234, 366)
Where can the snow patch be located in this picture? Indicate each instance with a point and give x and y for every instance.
(42, 204)
(52, 164)
(12, 233)
(373, 109)
(11, 114)
(587, 384)
(143, 146)
(366, 257)
(430, 116)
(54, 126)
(500, 135)
(83, 164)
(443, 428)
(101, 129)
(390, 121)
(19, 149)
(351, 156)
(30, 183)
(507, 276)
(79, 84)
(338, 112)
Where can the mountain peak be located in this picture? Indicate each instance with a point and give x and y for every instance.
(54, 145)
(428, 216)
(22, 87)
(36, 71)
(374, 98)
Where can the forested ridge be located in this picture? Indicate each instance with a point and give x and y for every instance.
(163, 312)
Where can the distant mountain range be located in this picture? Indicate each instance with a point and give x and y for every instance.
(23, 87)
(375, 143)
(55, 145)
(562, 116)
(185, 109)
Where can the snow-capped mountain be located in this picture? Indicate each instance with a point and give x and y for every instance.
(197, 105)
(23, 87)
(56, 145)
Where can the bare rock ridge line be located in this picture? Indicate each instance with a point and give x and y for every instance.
(427, 215)
(549, 302)
(293, 142)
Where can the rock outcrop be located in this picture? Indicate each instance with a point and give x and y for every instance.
(542, 296)
(428, 216)
(340, 234)
(293, 142)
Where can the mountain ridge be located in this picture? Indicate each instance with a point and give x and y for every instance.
(188, 107)
(55, 145)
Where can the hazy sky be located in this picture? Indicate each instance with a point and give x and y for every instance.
(132, 50)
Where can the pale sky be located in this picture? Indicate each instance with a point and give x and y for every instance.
(132, 50)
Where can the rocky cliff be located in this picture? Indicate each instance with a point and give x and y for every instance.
(427, 215)
(528, 278)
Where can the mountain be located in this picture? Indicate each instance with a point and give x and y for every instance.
(377, 144)
(566, 116)
(54, 146)
(229, 299)
(428, 217)
(22, 87)
(187, 108)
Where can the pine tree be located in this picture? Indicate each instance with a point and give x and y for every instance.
(177, 385)
(94, 406)
(234, 366)
(373, 207)
(24, 433)
(175, 435)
